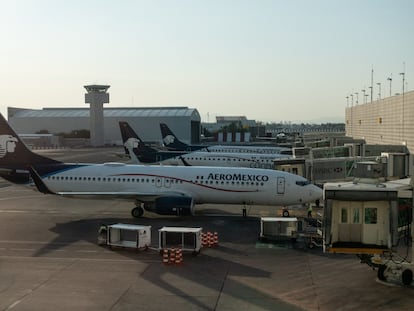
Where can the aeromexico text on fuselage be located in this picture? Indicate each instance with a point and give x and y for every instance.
(237, 177)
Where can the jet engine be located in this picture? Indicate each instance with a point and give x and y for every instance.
(171, 206)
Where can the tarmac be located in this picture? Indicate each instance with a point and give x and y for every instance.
(50, 260)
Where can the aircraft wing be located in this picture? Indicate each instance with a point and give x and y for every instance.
(143, 197)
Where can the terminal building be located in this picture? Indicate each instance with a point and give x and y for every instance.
(385, 121)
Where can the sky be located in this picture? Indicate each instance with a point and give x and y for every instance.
(268, 60)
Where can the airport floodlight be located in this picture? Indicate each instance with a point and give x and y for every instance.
(379, 90)
(390, 79)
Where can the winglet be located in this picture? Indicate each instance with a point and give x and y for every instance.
(40, 185)
(184, 161)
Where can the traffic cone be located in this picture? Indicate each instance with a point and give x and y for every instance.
(215, 239)
(165, 259)
(178, 256)
(172, 255)
(210, 239)
(204, 240)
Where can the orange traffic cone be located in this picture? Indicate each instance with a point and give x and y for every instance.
(204, 240)
(210, 239)
(165, 256)
(215, 239)
(172, 255)
(178, 256)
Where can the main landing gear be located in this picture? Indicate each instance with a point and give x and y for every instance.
(137, 211)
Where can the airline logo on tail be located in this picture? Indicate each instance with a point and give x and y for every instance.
(169, 139)
(7, 144)
(131, 143)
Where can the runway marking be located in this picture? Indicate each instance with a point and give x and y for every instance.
(14, 304)
(46, 242)
(129, 261)
(81, 251)
(19, 197)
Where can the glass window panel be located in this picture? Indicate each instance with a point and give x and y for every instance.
(344, 215)
(370, 215)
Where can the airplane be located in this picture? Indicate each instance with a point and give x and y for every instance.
(165, 190)
(171, 142)
(141, 153)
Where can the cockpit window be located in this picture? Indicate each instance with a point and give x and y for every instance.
(303, 182)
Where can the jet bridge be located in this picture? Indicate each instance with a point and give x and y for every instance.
(362, 217)
(374, 221)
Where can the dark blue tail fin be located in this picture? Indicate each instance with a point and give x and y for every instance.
(141, 152)
(171, 142)
(132, 143)
(15, 157)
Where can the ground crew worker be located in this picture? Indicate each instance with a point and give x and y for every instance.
(310, 211)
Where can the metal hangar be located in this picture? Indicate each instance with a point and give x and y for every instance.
(184, 121)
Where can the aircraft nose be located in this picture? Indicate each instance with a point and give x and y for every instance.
(316, 193)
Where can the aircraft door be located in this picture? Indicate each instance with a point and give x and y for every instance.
(376, 223)
(350, 222)
(159, 182)
(280, 185)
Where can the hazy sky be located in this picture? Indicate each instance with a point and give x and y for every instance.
(268, 60)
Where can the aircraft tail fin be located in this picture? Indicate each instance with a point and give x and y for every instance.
(134, 146)
(170, 140)
(15, 157)
(13, 151)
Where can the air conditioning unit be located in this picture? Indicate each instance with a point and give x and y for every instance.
(397, 164)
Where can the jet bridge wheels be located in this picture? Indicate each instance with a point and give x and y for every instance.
(137, 212)
(407, 277)
(380, 273)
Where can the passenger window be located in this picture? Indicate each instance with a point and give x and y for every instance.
(355, 216)
(344, 215)
(370, 215)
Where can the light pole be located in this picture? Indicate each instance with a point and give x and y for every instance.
(347, 101)
(403, 81)
(372, 82)
(356, 93)
(370, 87)
(366, 98)
(379, 90)
(352, 108)
(390, 79)
(363, 98)
(402, 117)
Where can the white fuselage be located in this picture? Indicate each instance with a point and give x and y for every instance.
(246, 149)
(223, 159)
(203, 184)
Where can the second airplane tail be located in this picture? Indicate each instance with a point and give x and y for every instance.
(134, 146)
(170, 140)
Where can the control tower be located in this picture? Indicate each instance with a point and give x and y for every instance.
(96, 97)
